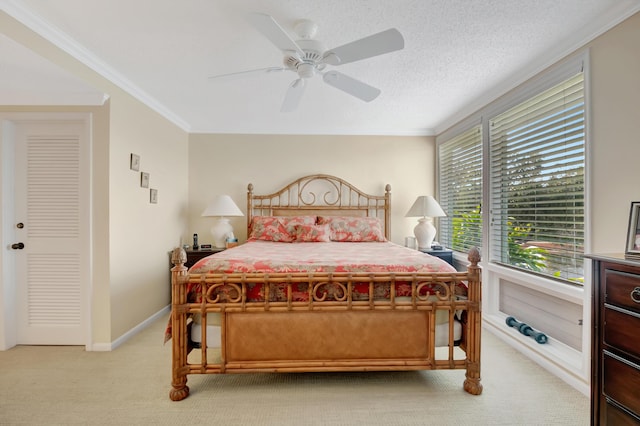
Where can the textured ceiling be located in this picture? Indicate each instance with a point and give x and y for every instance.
(458, 56)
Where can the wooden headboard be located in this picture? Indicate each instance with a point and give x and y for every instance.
(321, 195)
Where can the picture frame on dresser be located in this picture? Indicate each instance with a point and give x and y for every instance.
(632, 249)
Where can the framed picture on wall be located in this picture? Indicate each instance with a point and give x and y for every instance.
(633, 234)
(153, 196)
(144, 180)
(134, 162)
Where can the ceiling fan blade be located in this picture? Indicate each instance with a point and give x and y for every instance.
(351, 86)
(240, 74)
(293, 95)
(374, 45)
(268, 27)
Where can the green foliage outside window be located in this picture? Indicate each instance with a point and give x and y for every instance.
(466, 229)
(521, 255)
(467, 226)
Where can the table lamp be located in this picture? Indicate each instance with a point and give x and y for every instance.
(425, 207)
(221, 208)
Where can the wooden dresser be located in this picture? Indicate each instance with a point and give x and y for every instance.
(615, 369)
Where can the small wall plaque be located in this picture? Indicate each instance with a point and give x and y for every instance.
(134, 162)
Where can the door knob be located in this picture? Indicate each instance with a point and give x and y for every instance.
(17, 246)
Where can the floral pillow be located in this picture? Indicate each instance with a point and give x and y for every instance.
(277, 228)
(312, 233)
(291, 221)
(353, 229)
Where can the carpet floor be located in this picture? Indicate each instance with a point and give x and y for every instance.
(57, 385)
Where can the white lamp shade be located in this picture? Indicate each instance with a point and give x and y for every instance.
(221, 206)
(425, 207)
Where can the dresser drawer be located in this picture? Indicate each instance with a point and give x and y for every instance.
(617, 416)
(621, 289)
(621, 330)
(621, 380)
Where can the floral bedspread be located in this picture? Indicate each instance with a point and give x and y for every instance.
(269, 257)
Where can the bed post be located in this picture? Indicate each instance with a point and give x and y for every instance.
(387, 211)
(178, 326)
(249, 206)
(474, 317)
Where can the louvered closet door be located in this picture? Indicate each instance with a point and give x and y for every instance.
(51, 270)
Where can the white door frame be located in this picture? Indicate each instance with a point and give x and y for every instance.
(8, 315)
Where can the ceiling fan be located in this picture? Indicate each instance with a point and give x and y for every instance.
(308, 57)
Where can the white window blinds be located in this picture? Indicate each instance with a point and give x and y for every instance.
(537, 161)
(460, 190)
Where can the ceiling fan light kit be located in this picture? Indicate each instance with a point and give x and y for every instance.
(308, 57)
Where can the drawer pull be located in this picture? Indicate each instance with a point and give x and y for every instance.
(635, 295)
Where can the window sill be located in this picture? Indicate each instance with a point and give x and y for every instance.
(568, 292)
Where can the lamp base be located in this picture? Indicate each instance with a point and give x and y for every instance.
(425, 232)
(220, 230)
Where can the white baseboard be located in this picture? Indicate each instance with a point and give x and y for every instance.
(106, 347)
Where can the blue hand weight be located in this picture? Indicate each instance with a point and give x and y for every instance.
(527, 330)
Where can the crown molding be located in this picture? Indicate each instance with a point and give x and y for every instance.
(86, 57)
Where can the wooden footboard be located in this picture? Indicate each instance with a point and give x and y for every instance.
(342, 333)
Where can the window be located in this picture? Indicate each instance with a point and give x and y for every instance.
(537, 159)
(460, 190)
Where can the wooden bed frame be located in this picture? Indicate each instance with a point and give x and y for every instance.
(318, 335)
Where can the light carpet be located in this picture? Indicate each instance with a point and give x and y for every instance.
(52, 385)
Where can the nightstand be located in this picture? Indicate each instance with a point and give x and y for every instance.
(194, 255)
(444, 254)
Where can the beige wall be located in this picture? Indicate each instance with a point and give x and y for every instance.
(225, 164)
(140, 233)
(615, 133)
(131, 237)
